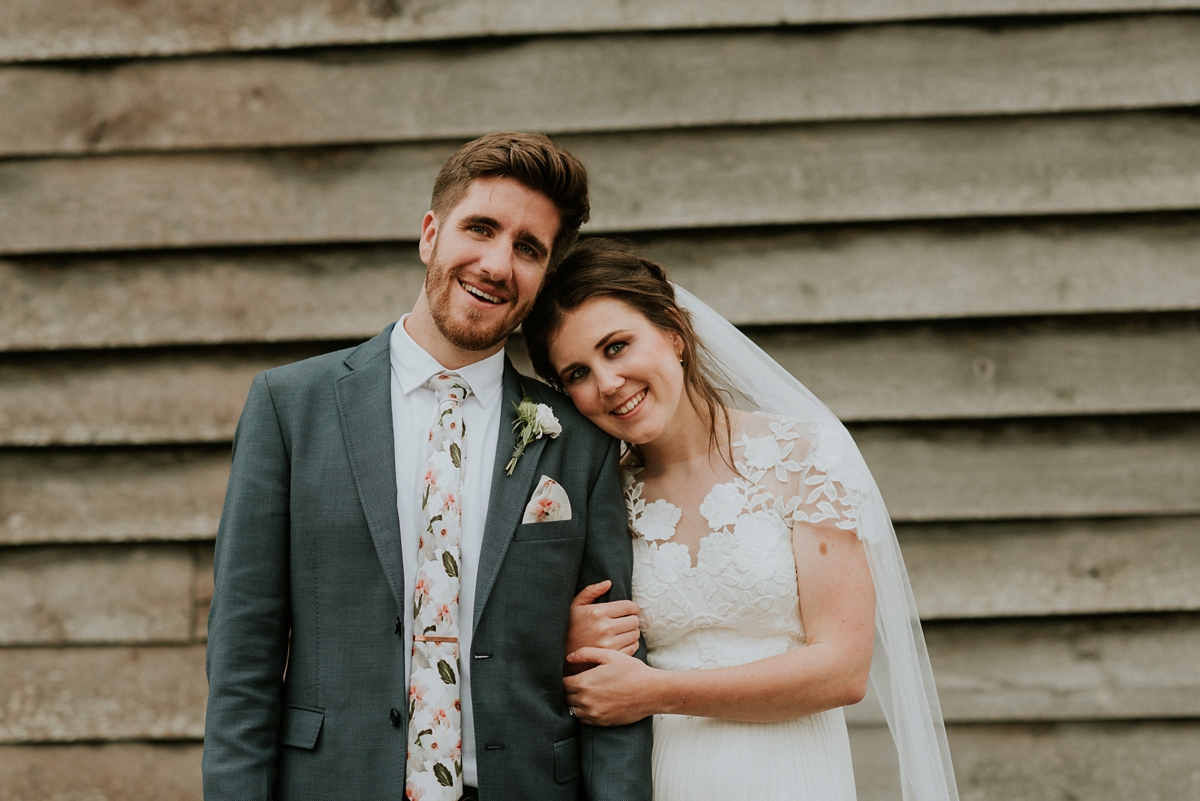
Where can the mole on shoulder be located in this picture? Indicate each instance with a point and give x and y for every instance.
(824, 549)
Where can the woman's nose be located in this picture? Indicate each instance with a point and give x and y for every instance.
(609, 381)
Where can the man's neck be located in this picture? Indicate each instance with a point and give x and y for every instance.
(420, 326)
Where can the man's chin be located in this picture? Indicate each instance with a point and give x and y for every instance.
(471, 336)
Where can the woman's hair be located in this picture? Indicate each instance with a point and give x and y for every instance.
(609, 268)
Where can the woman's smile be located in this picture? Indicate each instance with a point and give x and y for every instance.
(626, 408)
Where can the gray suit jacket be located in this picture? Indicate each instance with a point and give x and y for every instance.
(307, 695)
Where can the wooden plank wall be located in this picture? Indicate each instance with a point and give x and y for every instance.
(971, 227)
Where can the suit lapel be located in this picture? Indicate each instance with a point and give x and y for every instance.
(364, 399)
(506, 504)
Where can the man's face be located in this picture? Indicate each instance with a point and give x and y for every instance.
(487, 259)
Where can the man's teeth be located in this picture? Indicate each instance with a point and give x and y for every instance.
(479, 293)
(632, 404)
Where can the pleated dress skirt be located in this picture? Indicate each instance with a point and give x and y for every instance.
(704, 759)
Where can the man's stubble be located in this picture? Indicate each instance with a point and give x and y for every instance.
(471, 334)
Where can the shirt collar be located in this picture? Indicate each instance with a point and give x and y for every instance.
(413, 366)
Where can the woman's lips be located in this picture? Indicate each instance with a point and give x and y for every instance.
(629, 405)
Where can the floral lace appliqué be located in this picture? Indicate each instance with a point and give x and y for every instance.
(739, 601)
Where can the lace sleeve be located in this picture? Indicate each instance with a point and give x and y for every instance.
(784, 463)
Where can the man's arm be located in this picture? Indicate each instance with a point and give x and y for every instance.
(615, 760)
(250, 617)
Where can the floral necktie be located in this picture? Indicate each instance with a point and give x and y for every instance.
(434, 701)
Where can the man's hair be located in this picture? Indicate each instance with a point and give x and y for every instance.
(531, 160)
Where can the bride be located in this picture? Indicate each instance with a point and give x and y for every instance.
(767, 578)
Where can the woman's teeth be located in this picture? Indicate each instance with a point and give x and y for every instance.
(479, 293)
(631, 404)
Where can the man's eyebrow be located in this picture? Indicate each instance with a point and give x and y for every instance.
(528, 237)
(481, 219)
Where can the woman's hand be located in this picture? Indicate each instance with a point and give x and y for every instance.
(612, 625)
(616, 689)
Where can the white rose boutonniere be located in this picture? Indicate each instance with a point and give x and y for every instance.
(533, 421)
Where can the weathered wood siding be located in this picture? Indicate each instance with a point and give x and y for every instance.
(972, 228)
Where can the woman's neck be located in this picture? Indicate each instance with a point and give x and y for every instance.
(685, 438)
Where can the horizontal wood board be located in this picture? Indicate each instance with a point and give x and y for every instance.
(819, 275)
(160, 593)
(99, 28)
(1153, 761)
(951, 471)
(1118, 668)
(604, 83)
(833, 172)
(976, 371)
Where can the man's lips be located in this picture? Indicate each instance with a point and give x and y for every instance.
(481, 294)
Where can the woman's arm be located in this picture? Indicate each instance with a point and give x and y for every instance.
(837, 608)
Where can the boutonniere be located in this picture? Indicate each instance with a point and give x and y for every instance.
(533, 420)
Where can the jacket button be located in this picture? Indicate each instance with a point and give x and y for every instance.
(395, 716)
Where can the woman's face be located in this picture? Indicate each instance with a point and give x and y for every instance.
(621, 370)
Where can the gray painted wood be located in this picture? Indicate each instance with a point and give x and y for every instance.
(1070, 567)
(92, 28)
(605, 83)
(1005, 370)
(111, 495)
(1062, 468)
(1122, 668)
(834, 172)
(945, 472)
(839, 274)
(134, 771)
(112, 693)
(1127, 667)
(993, 762)
(131, 398)
(973, 371)
(64, 595)
(1110, 761)
(96, 594)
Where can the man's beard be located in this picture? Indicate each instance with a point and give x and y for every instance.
(470, 334)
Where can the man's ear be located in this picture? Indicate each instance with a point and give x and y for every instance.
(429, 229)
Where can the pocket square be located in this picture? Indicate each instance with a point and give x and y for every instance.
(549, 503)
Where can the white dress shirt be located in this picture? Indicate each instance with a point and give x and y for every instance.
(414, 409)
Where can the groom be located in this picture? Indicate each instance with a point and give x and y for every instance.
(393, 577)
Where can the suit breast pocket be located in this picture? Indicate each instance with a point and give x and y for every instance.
(553, 530)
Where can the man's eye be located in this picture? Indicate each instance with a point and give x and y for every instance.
(478, 229)
(615, 348)
(528, 251)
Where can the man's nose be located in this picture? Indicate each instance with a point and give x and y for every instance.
(497, 261)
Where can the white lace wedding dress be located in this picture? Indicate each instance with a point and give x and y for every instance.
(736, 602)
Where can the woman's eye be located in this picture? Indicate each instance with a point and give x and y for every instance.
(576, 374)
(615, 348)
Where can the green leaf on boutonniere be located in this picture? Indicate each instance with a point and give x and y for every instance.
(446, 672)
